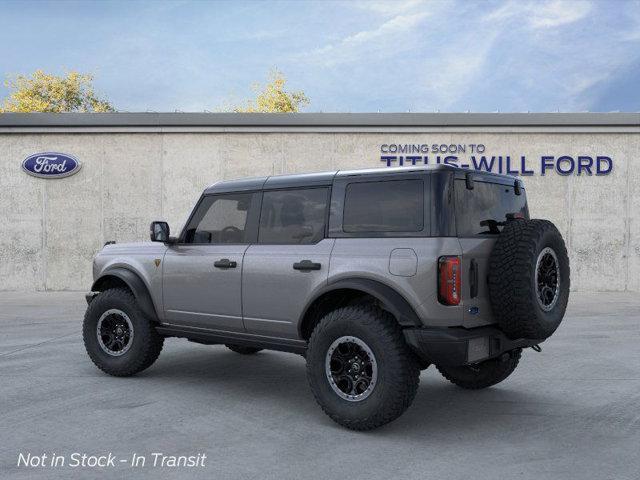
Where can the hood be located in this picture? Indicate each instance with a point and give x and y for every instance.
(133, 247)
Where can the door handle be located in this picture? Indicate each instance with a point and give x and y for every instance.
(225, 263)
(306, 265)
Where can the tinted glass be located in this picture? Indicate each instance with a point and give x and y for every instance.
(293, 216)
(391, 206)
(220, 219)
(483, 210)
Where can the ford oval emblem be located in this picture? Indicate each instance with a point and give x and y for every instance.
(51, 165)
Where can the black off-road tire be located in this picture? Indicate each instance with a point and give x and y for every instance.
(482, 375)
(242, 350)
(146, 344)
(398, 368)
(512, 279)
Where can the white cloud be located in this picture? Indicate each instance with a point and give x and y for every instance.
(516, 56)
(539, 15)
(457, 67)
(556, 13)
(392, 36)
(554, 67)
(505, 12)
(632, 13)
(387, 7)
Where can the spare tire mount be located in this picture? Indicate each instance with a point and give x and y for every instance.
(548, 278)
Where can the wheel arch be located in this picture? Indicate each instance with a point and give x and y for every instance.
(346, 291)
(122, 277)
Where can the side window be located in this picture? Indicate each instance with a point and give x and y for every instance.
(293, 216)
(483, 210)
(389, 206)
(220, 219)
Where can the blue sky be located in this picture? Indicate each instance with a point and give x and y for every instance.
(348, 56)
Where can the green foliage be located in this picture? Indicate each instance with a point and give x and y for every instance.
(43, 92)
(273, 98)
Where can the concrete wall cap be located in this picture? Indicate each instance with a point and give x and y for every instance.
(147, 119)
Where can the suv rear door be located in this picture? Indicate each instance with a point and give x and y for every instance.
(289, 261)
(480, 213)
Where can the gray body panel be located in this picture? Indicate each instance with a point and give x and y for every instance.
(373, 258)
(477, 249)
(273, 293)
(264, 297)
(198, 294)
(140, 259)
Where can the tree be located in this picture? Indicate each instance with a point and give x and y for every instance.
(43, 92)
(273, 98)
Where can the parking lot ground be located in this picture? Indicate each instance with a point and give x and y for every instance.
(570, 412)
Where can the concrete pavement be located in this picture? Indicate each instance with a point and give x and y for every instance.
(572, 411)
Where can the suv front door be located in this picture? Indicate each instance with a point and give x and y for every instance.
(290, 260)
(202, 273)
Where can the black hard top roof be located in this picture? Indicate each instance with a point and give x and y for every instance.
(326, 178)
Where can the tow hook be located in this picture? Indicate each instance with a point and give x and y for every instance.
(536, 348)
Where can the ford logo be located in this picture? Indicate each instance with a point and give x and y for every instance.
(51, 165)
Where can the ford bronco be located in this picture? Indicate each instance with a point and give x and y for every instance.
(372, 275)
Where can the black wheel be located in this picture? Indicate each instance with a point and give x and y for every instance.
(241, 349)
(529, 279)
(119, 339)
(360, 370)
(484, 374)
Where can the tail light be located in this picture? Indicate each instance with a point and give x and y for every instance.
(449, 280)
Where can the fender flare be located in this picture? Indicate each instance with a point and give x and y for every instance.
(135, 284)
(392, 301)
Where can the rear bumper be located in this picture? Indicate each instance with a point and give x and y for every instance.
(461, 346)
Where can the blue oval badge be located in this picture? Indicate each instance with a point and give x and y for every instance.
(51, 165)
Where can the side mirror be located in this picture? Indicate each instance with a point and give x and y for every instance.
(159, 232)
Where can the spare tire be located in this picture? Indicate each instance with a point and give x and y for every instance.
(529, 279)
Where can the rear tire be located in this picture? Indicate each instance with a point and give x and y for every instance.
(242, 350)
(386, 379)
(119, 339)
(482, 375)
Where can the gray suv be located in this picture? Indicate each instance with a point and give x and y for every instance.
(372, 275)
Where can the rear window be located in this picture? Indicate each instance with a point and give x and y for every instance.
(389, 206)
(293, 216)
(483, 210)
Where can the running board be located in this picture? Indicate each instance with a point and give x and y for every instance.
(216, 337)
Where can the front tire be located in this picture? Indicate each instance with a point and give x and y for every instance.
(484, 374)
(119, 339)
(361, 372)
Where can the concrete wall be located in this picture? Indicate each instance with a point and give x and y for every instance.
(50, 229)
